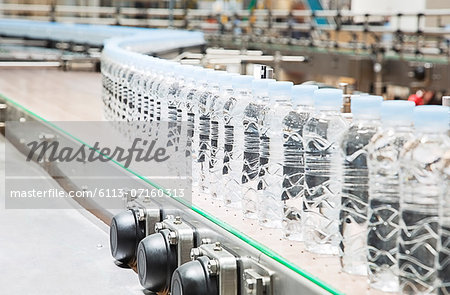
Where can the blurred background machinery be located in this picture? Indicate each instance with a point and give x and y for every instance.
(383, 47)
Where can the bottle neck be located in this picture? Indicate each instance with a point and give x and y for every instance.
(243, 92)
(328, 110)
(260, 99)
(227, 90)
(436, 132)
(304, 107)
(392, 124)
(281, 100)
(362, 118)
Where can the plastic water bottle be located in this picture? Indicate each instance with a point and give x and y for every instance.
(167, 90)
(189, 106)
(294, 162)
(251, 125)
(216, 104)
(208, 132)
(201, 134)
(151, 87)
(322, 134)
(384, 193)
(422, 191)
(355, 184)
(270, 203)
(233, 116)
(156, 85)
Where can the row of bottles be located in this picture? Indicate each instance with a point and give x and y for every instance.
(373, 191)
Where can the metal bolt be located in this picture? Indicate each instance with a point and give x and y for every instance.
(217, 246)
(147, 198)
(250, 283)
(141, 214)
(196, 253)
(130, 196)
(173, 238)
(159, 226)
(206, 241)
(213, 267)
(177, 220)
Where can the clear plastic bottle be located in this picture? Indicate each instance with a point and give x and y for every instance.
(208, 130)
(355, 182)
(123, 92)
(188, 96)
(270, 203)
(158, 87)
(384, 193)
(251, 125)
(322, 134)
(233, 115)
(167, 90)
(201, 133)
(216, 104)
(294, 162)
(422, 190)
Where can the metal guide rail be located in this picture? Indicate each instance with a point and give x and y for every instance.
(87, 40)
(200, 250)
(415, 61)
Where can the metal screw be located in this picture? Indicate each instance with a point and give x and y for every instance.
(196, 253)
(213, 267)
(177, 220)
(173, 238)
(217, 246)
(159, 226)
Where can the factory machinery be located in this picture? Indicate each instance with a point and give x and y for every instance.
(194, 250)
(327, 45)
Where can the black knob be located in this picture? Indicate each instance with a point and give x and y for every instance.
(193, 278)
(156, 261)
(124, 235)
(419, 73)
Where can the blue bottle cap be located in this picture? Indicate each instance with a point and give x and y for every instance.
(397, 112)
(280, 91)
(242, 82)
(303, 94)
(328, 98)
(260, 87)
(431, 118)
(366, 105)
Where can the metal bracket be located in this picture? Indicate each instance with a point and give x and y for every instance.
(150, 213)
(223, 264)
(182, 235)
(256, 279)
